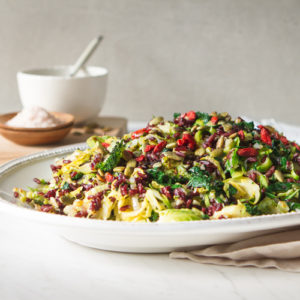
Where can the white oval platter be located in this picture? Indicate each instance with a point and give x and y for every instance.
(125, 236)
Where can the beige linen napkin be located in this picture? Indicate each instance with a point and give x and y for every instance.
(278, 250)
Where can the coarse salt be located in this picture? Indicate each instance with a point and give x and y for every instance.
(34, 117)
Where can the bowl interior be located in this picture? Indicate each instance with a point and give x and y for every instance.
(64, 71)
(67, 120)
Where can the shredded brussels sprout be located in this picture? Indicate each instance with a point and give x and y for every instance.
(198, 166)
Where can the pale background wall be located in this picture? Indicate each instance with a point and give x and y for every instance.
(164, 56)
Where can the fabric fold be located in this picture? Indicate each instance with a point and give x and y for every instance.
(278, 250)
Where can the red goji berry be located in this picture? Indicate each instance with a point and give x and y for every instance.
(265, 135)
(297, 146)
(187, 138)
(159, 146)
(241, 134)
(191, 145)
(108, 177)
(214, 119)
(149, 148)
(247, 152)
(180, 142)
(105, 145)
(191, 115)
(284, 140)
(140, 158)
(139, 133)
(277, 136)
(73, 174)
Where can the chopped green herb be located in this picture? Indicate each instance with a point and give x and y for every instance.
(293, 205)
(203, 116)
(200, 181)
(154, 216)
(279, 149)
(205, 217)
(283, 162)
(252, 210)
(232, 190)
(162, 178)
(175, 186)
(200, 178)
(65, 186)
(113, 159)
(38, 202)
(248, 126)
(77, 176)
(279, 187)
(270, 195)
(176, 115)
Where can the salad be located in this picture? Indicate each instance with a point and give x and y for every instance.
(198, 166)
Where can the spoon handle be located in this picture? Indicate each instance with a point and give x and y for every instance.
(85, 55)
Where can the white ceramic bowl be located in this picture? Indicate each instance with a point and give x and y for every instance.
(82, 96)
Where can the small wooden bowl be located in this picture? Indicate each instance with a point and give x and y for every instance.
(36, 136)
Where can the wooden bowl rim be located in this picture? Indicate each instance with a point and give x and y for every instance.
(59, 115)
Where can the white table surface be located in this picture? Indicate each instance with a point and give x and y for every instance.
(36, 263)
